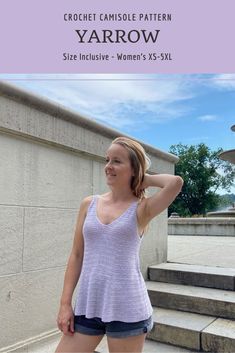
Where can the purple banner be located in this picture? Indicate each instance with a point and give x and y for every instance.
(91, 36)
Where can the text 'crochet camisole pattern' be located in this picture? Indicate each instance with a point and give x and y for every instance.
(111, 285)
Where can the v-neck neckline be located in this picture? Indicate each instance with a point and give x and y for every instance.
(103, 224)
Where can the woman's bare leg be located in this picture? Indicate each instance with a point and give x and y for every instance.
(133, 344)
(78, 343)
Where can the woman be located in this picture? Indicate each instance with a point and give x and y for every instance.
(112, 297)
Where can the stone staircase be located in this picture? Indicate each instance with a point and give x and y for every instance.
(194, 306)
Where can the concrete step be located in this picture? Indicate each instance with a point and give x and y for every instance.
(208, 301)
(179, 328)
(193, 331)
(219, 336)
(194, 275)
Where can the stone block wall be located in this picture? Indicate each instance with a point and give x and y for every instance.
(51, 158)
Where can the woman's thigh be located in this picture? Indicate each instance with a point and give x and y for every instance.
(133, 344)
(79, 343)
(128, 337)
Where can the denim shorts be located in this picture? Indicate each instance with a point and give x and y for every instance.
(95, 326)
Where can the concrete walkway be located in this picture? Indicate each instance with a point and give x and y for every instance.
(202, 250)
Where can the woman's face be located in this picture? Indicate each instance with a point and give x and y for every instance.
(118, 168)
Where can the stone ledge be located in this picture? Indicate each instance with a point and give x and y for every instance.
(59, 111)
(206, 220)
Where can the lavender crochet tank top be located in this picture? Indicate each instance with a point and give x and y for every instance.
(111, 285)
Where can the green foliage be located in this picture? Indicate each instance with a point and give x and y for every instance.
(199, 167)
(226, 201)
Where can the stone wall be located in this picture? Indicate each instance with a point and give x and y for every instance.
(51, 158)
(208, 226)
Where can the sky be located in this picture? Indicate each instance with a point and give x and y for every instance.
(160, 110)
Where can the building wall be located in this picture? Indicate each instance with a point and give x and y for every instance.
(51, 158)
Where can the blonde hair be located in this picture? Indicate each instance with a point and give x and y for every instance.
(140, 163)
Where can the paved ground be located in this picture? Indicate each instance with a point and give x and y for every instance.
(202, 250)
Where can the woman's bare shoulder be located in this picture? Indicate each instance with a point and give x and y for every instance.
(88, 199)
(86, 202)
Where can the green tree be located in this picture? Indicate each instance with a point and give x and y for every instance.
(203, 173)
(226, 201)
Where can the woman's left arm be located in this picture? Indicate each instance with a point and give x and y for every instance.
(170, 185)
